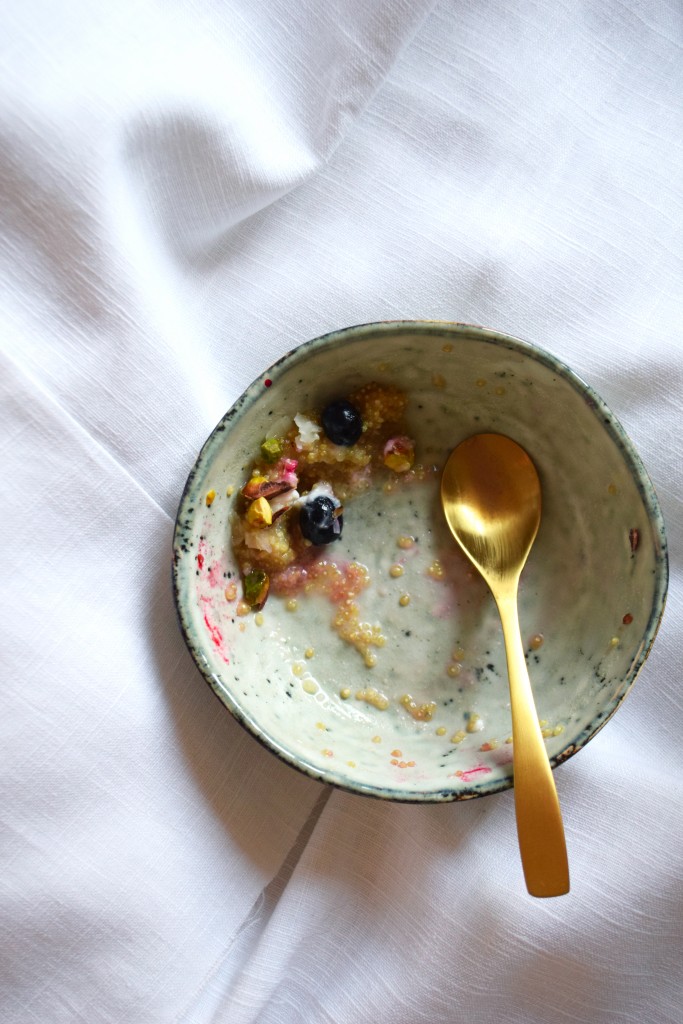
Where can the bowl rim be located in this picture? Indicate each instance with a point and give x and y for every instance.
(438, 328)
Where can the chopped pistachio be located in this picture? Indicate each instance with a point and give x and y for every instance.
(256, 586)
(271, 449)
(259, 513)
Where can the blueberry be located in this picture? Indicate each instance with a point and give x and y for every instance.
(318, 521)
(342, 422)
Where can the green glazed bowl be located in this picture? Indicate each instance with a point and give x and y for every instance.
(591, 597)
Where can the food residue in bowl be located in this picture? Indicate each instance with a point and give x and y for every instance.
(292, 506)
(290, 513)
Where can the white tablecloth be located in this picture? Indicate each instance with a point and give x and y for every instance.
(187, 191)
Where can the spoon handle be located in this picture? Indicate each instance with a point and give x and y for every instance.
(539, 819)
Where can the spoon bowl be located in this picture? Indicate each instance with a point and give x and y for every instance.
(490, 490)
(491, 497)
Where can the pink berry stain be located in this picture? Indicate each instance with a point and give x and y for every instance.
(215, 633)
(214, 570)
(472, 773)
(214, 575)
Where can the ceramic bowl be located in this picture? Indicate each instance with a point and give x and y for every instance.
(591, 596)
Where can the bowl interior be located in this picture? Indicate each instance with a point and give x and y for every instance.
(590, 598)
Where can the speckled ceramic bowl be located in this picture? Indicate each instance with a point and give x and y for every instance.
(591, 597)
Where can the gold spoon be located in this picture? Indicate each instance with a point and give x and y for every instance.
(491, 497)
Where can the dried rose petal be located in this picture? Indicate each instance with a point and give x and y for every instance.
(285, 472)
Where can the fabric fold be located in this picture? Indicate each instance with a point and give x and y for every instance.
(188, 191)
(140, 821)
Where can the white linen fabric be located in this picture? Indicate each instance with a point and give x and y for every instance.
(187, 191)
